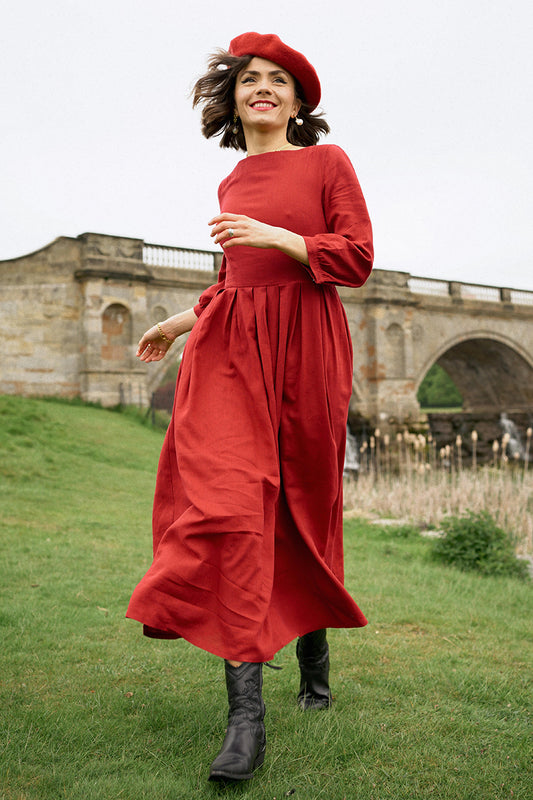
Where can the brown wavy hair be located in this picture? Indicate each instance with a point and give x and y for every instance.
(215, 92)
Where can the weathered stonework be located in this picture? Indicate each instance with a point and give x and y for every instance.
(400, 329)
(73, 312)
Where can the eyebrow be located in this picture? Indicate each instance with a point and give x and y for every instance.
(272, 72)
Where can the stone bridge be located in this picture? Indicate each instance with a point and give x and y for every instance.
(72, 312)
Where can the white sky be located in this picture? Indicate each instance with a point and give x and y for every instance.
(433, 102)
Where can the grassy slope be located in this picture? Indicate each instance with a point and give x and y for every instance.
(432, 698)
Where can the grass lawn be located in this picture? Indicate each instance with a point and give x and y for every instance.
(432, 700)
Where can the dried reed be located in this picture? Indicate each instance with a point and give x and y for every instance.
(407, 479)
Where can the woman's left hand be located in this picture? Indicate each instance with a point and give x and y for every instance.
(231, 230)
(236, 229)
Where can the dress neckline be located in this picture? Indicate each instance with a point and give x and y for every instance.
(273, 153)
(286, 149)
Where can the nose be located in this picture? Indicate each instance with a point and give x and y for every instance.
(263, 86)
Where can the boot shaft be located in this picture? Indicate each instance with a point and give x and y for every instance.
(313, 659)
(313, 646)
(244, 685)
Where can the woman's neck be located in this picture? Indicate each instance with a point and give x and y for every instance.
(257, 143)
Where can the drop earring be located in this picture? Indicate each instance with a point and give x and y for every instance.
(299, 121)
(235, 128)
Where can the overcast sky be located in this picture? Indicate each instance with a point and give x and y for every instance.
(432, 101)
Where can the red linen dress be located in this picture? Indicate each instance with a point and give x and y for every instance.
(247, 518)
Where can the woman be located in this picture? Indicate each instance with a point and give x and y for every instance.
(248, 502)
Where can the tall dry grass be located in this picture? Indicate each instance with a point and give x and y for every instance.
(409, 478)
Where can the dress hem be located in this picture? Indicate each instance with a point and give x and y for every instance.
(157, 633)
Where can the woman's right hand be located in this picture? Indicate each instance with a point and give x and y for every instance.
(152, 346)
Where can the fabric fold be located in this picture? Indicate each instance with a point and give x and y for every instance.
(247, 518)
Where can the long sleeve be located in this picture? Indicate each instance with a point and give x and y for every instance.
(206, 296)
(345, 254)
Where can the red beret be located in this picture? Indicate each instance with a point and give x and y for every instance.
(271, 47)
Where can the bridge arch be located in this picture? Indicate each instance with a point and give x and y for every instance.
(492, 372)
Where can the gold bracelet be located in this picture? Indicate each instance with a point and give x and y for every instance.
(162, 335)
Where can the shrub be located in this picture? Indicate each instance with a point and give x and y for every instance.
(474, 542)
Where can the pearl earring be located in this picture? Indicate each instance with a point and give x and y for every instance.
(235, 128)
(298, 120)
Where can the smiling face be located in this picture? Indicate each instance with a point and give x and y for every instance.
(265, 97)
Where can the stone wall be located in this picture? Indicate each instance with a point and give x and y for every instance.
(72, 313)
(41, 310)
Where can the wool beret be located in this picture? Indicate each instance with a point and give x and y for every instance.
(270, 46)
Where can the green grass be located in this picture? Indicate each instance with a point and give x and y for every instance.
(432, 699)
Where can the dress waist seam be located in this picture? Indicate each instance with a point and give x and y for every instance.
(229, 284)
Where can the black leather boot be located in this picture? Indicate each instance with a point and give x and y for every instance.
(313, 657)
(243, 749)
